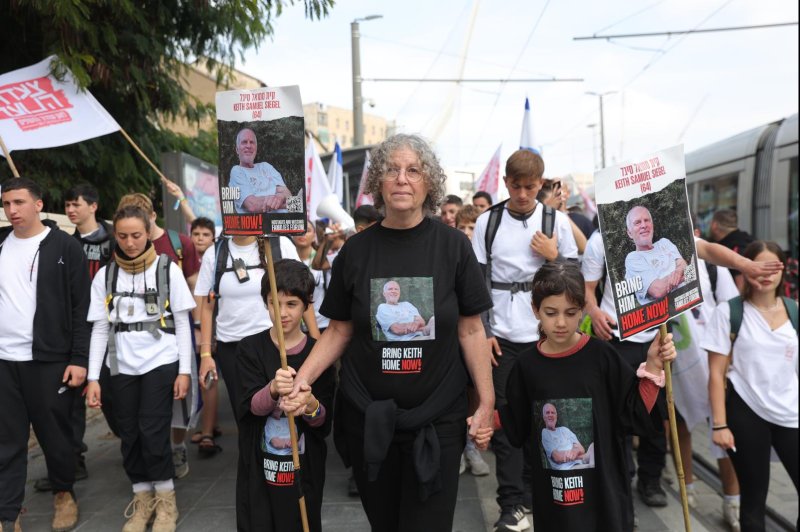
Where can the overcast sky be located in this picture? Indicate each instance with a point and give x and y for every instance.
(693, 89)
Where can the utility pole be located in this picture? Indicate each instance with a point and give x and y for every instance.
(602, 126)
(358, 101)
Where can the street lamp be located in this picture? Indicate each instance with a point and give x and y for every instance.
(602, 128)
(358, 118)
(594, 145)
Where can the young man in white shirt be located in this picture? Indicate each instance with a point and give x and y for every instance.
(518, 250)
(44, 346)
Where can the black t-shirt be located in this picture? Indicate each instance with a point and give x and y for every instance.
(583, 223)
(595, 396)
(266, 498)
(403, 348)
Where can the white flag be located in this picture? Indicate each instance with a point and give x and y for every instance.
(317, 184)
(490, 177)
(363, 197)
(38, 111)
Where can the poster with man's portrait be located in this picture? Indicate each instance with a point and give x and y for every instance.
(651, 260)
(261, 173)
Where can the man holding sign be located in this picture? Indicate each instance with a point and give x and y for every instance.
(261, 187)
(659, 266)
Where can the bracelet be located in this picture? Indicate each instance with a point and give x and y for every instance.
(658, 380)
(719, 427)
(205, 354)
(315, 413)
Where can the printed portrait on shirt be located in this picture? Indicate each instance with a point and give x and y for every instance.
(566, 433)
(402, 309)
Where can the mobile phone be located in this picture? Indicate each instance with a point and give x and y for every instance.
(208, 382)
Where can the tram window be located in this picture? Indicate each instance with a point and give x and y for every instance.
(715, 195)
(794, 231)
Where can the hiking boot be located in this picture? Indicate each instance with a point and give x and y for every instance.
(475, 461)
(9, 526)
(65, 514)
(166, 511)
(651, 492)
(139, 512)
(730, 512)
(512, 519)
(181, 461)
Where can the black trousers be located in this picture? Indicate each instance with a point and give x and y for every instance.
(392, 502)
(31, 393)
(754, 436)
(652, 452)
(509, 459)
(143, 410)
(225, 357)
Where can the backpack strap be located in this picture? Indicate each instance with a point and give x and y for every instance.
(548, 220)
(177, 245)
(791, 310)
(736, 305)
(221, 254)
(492, 226)
(162, 285)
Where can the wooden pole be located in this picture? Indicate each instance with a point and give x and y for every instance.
(140, 152)
(8, 158)
(673, 430)
(282, 348)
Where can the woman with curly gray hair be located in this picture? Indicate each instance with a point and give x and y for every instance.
(401, 416)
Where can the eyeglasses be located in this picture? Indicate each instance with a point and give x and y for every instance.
(413, 174)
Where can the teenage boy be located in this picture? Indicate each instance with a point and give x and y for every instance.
(465, 219)
(44, 301)
(518, 249)
(482, 200)
(181, 250)
(272, 504)
(449, 209)
(97, 239)
(202, 234)
(365, 216)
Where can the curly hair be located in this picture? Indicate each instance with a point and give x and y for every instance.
(432, 171)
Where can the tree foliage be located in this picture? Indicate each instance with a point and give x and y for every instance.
(129, 54)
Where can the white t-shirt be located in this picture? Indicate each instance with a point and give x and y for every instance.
(765, 363)
(725, 290)
(320, 287)
(513, 260)
(593, 268)
(261, 180)
(241, 311)
(138, 351)
(19, 264)
(650, 265)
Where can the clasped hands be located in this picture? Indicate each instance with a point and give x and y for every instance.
(293, 397)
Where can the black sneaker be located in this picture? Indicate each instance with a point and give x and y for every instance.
(651, 492)
(512, 519)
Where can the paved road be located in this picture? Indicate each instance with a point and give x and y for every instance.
(206, 495)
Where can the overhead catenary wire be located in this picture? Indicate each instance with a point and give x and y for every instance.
(683, 32)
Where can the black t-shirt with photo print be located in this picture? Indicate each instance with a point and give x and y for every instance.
(438, 277)
(590, 493)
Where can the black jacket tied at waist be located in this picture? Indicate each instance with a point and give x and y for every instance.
(382, 418)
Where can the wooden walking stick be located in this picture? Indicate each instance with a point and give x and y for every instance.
(673, 430)
(282, 348)
(8, 158)
(145, 157)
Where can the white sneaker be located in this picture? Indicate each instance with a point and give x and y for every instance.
(463, 466)
(512, 519)
(730, 512)
(477, 465)
(691, 497)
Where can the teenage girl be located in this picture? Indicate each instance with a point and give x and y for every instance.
(758, 408)
(573, 399)
(149, 356)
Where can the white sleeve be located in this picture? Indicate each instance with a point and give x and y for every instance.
(205, 279)
(594, 258)
(97, 303)
(717, 334)
(566, 242)
(726, 287)
(97, 348)
(479, 237)
(288, 249)
(182, 332)
(180, 298)
(239, 180)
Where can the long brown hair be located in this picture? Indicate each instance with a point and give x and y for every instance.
(753, 250)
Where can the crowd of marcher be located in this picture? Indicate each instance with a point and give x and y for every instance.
(431, 332)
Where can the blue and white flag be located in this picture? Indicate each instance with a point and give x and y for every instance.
(336, 173)
(526, 137)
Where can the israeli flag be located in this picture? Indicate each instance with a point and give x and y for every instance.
(526, 137)
(336, 173)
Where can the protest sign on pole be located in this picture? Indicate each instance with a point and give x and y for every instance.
(261, 172)
(651, 258)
